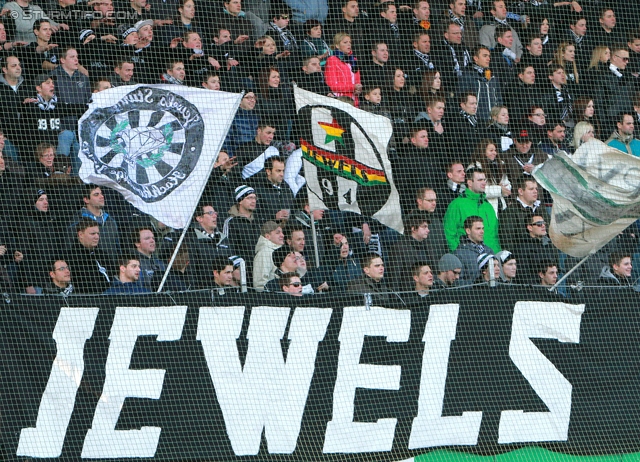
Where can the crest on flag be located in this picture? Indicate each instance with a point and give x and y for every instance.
(344, 152)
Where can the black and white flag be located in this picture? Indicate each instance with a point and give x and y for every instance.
(155, 144)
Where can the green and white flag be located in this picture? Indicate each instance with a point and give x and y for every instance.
(155, 144)
(596, 195)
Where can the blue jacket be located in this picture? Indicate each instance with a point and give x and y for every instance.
(118, 287)
(630, 145)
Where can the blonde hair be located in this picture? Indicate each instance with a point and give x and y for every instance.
(596, 55)
(495, 111)
(559, 58)
(338, 38)
(579, 131)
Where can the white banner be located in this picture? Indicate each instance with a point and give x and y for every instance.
(155, 144)
(344, 152)
(596, 195)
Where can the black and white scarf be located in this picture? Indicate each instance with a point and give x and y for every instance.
(562, 96)
(456, 63)
(47, 105)
(395, 30)
(288, 40)
(576, 38)
(470, 118)
(502, 21)
(425, 58)
(457, 20)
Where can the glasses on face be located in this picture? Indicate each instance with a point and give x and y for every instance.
(284, 16)
(210, 213)
(624, 58)
(62, 268)
(429, 200)
(539, 223)
(296, 284)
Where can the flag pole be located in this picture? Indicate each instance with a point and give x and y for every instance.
(315, 238)
(571, 271)
(193, 210)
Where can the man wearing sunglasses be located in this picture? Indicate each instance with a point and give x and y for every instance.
(616, 88)
(534, 249)
(291, 284)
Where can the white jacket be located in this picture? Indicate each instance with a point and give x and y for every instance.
(263, 267)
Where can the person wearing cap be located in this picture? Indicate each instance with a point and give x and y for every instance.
(449, 271)
(522, 157)
(241, 227)
(407, 250)
(205, 242)
(237, 276)
(144, 52)
(483, 263)
(471, 245)
(40, 234)
(271, 238)
(472, 202)
(512, 231)
(508, 266)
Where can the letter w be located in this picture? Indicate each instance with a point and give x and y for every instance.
(268, 393)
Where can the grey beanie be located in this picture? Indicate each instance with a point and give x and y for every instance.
(449, 262)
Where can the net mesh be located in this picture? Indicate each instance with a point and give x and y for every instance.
(327, 230)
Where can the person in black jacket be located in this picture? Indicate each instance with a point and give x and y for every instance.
(93, 270)
(40, 116)
(205, 242)
(372, 281)
(275, 198)
(311, 78)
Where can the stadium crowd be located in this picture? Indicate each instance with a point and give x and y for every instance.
(478, 94)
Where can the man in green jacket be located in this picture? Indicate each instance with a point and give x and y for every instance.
(472, 202)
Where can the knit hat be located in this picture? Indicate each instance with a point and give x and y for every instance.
(504, 255)
(449, 262)
(236, 260)
(125, 31)
(483, 259)
(140, 24)
(39, 192)
(243, 191)
(279, 255)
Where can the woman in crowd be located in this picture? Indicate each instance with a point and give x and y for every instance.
(600, 57)
(274, 102)
(432, 85)
(313, 44)
(401, 103)
(582, 133)
(487, 158)
(548, 47)
(584, 110)
(341, 71)
(498, 129)
(565, 55)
